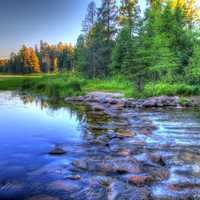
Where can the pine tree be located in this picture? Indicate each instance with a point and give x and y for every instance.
(90, 17)
(123, 52)
(80, 54)
(193, 71)
(108, 17)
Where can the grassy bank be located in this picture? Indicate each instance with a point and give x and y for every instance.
(13, 82)
(62, 85)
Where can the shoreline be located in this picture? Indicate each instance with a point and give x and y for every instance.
(117, 100)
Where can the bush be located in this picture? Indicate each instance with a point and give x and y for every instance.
(153, 89)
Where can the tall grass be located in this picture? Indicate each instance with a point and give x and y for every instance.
(71, 84)
(159, 89)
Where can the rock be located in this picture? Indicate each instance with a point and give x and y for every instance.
(122, 191)
(161, 101)
(140, 179)
(159, 174)
(95, 189)
(57, 151)
(63, 185)
(118, 106)
(125, 133)
(123, 152)
(151, 159)
(73, 177)
(101, 180)
(103, 138)
(81, 164)
(156, 158)
(97, 107)
(119, 166)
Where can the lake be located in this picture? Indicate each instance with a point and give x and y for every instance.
(98, 164)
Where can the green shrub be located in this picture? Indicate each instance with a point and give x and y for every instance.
(184, 101)
(153, 89)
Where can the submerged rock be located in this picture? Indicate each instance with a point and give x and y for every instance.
(140, 179)
(73, 177)
(63, 185)
(122, 191)
(57, 151)
(125, 133)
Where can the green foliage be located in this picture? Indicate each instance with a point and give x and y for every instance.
(13, 82)
(57, 86)
(183, 101)
(153, 89)
(68, 84)
(193, 72)
(113, 84)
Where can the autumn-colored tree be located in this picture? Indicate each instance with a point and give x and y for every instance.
(35, 64)
(190, 9)
(128, 12)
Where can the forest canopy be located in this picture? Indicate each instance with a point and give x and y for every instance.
(162, 44)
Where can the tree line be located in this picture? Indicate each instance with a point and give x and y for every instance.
(47, 58)
(161, 44)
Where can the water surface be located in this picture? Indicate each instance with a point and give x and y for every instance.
(31, 127)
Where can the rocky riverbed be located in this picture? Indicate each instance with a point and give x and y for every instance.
(110, 99)
(126, 150)
(123, 164)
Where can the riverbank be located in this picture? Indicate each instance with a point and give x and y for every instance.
(119, 102)
(64, 85)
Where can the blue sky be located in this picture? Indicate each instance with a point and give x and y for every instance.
(29, 21)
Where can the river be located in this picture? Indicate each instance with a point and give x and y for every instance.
(167, 156)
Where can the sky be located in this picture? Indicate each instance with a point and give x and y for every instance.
(29, 21)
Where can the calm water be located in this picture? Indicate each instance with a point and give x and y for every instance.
(30, 129)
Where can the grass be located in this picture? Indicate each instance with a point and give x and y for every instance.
(12, 82)
(69, 84)
(114, 84)
(180, 89)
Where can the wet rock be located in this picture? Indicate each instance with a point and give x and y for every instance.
(95, 189)
(118, 106)
(103, 138)
(124, 152)
(119, 166)
(140, 179)
(119, 190)
(57, 151)
(125, 133)
(73, 177)
(101, 180)
(157, 158)
(97, 107)
(159, 174)
(150, 159)
(63, 185)
(81, 164)
(161, 101)
(111, 134)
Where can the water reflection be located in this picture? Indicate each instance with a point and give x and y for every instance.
(32, 126)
